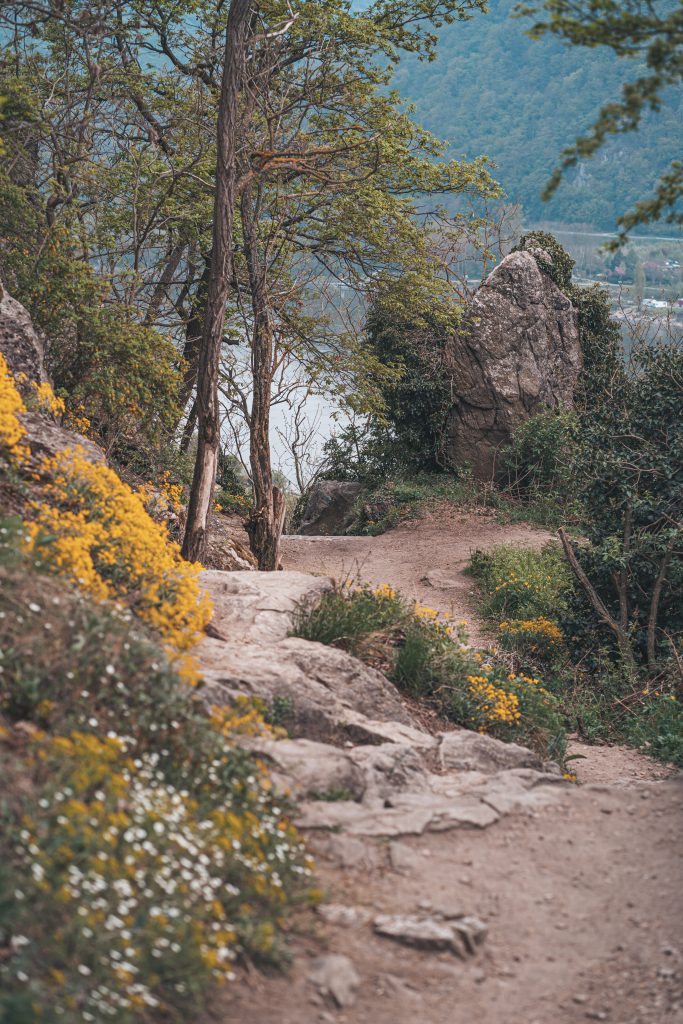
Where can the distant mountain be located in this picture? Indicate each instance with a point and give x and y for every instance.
(494, 91)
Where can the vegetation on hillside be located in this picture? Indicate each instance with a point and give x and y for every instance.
(142, 851)
(426, 656)
(545, 624)
(494, 90)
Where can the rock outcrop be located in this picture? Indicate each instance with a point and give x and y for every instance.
(329, 507)
(519, 353)
(20, 343)
(355, 758)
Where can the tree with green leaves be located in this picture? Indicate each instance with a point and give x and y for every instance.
(650, 33)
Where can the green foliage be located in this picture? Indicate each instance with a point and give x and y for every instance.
(142, 850)
(493, 90)
(522, 583)
(398, 500)
(417, 400)
(655, 36)
(542, 620)
(110, 368)
(561, 264)
(537, 462)
(629, 473)
(428, 659)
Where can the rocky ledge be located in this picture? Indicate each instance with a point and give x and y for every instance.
(357, 761)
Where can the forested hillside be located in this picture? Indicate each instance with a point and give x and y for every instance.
(493, 90)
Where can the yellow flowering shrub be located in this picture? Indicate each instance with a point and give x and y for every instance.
(47, 401)
(494, 704)
(12, 430)
(539, 637)
(93, 528)
(143, 851)
(426, 655)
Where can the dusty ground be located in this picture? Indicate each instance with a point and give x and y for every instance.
(584, 907)
(583, 898)
(404, 557)
(444, 541)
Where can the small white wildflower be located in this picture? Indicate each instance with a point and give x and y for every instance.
(84, 970)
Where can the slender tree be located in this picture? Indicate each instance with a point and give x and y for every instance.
(208, 416)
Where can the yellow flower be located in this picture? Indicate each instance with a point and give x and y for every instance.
(12, 430)
(94, 529)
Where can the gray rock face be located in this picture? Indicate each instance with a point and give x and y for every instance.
(462, 750)
(460, 935)
(336, 977)
(325, 693)
(254, 608)
(20, 343)
(329, 506)
(46, 439)
(519, 354)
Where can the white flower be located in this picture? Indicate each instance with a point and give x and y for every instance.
(34, 607)
(85, 971)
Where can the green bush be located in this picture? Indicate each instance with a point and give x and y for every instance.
(543, 622)
(537, 466)
(427, 658)
(523, 583)
(142, 851)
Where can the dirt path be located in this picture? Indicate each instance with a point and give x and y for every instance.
(582, 894)
(583, 901)
(439, 546)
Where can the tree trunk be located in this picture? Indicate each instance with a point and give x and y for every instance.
(193, 336)
(265, 524)
(208, 420)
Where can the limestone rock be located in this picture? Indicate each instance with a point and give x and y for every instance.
(461, 936)
(307, 768)
(329, 694)
(20, 343)
(329, 507)
(518, 354)
(228, 544)
(335, 976)
(251, 608)
(441, 579)
(463, 750)
(348, 852)
(410, 813)
(344, 916)
(46, 439)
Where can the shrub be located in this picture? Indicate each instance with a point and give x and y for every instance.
(629, 471)
(142, 851)
(107, 366)
(536, 467)
(599, 700)
(523, 583)
(91, 527)
(538, 638)
(12, 431)
(426, 657)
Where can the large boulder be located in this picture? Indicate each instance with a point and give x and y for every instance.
(518, 354)
(329, 508)
(20, 343)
